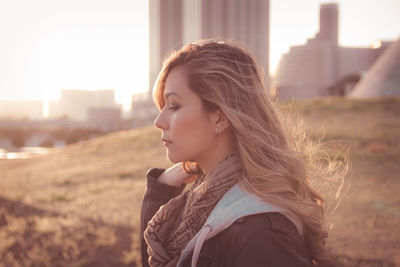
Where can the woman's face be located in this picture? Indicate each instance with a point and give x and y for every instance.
(187, 131)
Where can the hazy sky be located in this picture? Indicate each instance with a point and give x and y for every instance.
(50, 45)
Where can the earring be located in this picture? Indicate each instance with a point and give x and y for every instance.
(216, 129)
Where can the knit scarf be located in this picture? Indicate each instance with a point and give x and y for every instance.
(178, 221)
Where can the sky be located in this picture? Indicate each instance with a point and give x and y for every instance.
(50, 45)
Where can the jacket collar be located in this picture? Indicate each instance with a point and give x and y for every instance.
(235, 204)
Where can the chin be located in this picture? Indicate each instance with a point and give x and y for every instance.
(173, 158)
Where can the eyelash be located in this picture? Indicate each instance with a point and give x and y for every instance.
(174, 107)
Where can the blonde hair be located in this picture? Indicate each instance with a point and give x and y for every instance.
(278, 161)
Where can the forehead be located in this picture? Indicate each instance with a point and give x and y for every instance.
(176, 82)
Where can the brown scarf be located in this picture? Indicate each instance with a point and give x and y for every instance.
(178, 221)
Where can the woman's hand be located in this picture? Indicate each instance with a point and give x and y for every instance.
(176, 176)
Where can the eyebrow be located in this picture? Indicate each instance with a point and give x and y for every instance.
(169, 94)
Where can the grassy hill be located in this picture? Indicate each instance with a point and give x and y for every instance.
(80, 205)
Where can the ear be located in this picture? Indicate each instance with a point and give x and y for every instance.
(219, 121)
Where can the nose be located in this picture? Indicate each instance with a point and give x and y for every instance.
(160, 122)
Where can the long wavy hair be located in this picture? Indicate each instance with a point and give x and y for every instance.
(280, 162)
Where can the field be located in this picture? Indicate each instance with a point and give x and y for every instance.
(80, 205)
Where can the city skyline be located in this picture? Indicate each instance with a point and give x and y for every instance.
(49, 46)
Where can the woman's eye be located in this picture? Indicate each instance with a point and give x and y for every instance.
(173, 107)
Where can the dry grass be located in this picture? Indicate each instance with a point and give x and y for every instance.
(77, 206)
(80, 205)
(366, 227)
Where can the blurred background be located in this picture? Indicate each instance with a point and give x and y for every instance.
(76, 112)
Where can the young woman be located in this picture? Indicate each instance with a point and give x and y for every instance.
(250, 203)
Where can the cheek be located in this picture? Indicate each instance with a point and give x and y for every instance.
(191, 121)
(192, 128)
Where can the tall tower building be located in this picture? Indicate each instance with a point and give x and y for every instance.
(166, 32)
(328, 23)
(245, 21)
(177, 22)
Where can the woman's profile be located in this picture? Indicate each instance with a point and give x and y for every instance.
(250, 202)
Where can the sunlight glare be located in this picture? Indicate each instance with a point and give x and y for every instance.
(377, 44)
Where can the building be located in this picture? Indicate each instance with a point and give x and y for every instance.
(21, 109)
(313, 69)
(177, 22)
(74, 104)
(105, 119)
(165, 33)
(245, 21)
(143, 110)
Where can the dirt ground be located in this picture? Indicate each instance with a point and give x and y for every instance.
(80, 205)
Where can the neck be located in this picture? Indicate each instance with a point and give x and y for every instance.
(219, 151)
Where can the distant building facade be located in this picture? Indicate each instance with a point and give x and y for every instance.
(75, 104)
(105, 119)
(21, 109)
(143, 110)
(312, 69)
(245, 21)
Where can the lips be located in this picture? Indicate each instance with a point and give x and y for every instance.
(166, 141)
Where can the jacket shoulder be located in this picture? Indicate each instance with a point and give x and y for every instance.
(266, 239)
(273, 221)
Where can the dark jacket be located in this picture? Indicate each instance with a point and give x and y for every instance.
(268, 239)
